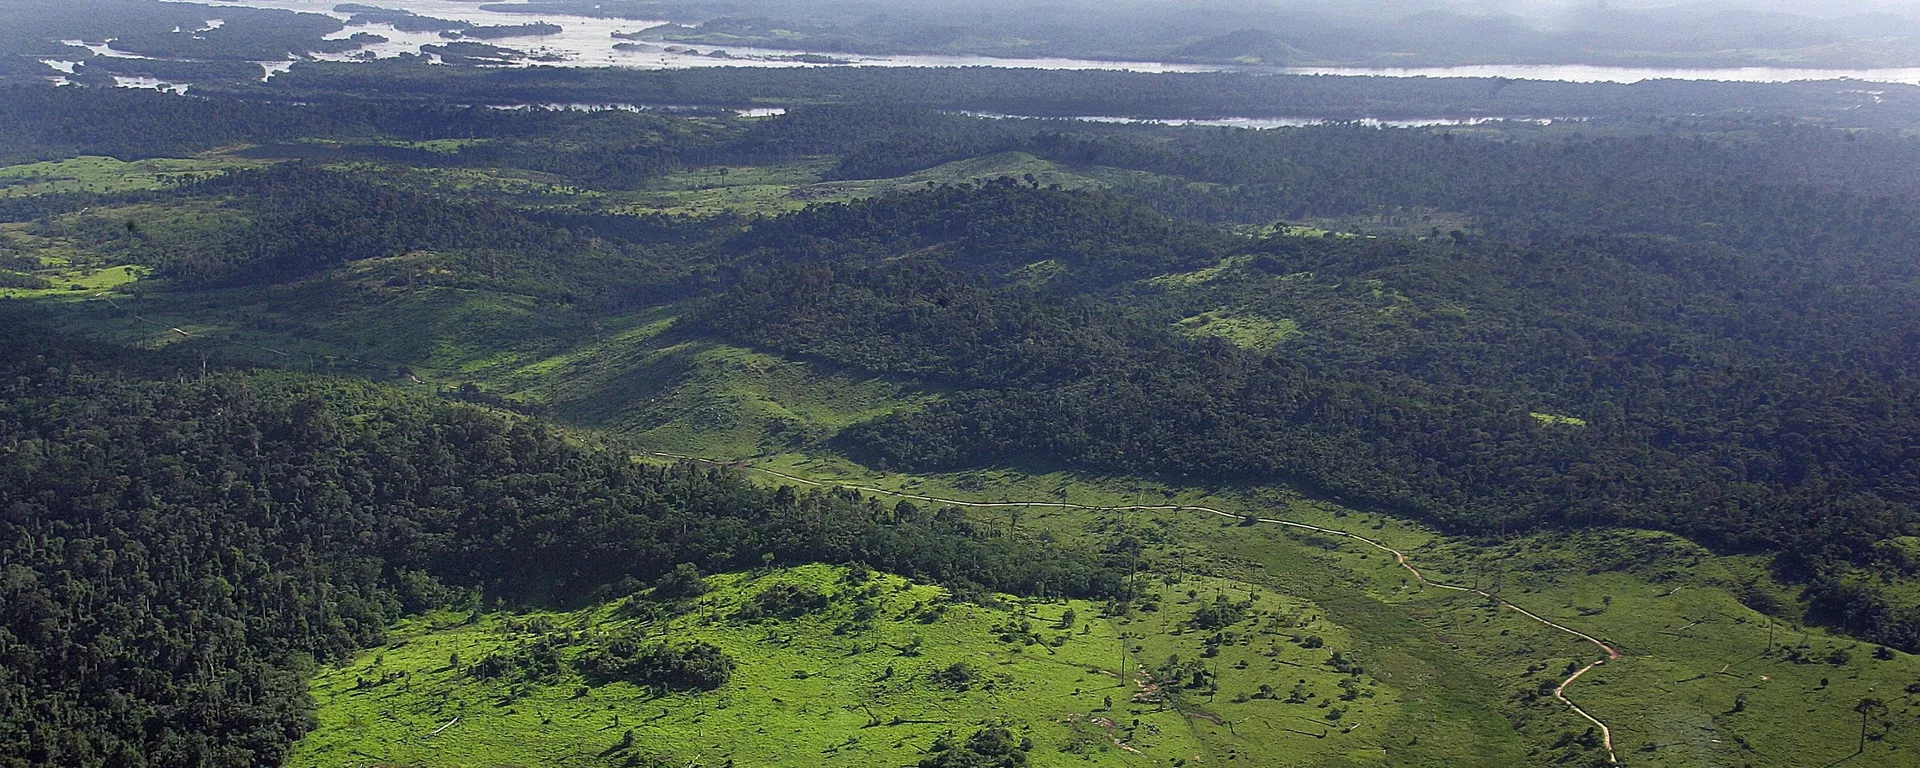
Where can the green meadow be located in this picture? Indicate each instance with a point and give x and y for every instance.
(1196, 669)
(90, 173)
(1706, 679)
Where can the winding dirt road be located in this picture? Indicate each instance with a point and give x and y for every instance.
(1559, 692)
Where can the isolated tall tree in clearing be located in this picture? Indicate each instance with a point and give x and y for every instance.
(1867, 708)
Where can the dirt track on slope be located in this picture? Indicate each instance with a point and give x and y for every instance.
(1559, 692)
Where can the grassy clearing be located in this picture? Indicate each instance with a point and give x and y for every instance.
(1017, 165)
(737, 198)
(1707, 679)
(830, 688)
(1702, 682)
(77, 282)
(1239, 326)
(1557, 420)
(1450, 712)
(715, 176)
(1228, 267)
(92, 173)
(718, 400)
(790, 187)
(1245, 331)
(718, 189)
(67, 272)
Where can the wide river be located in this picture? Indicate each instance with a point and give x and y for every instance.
(589, 42)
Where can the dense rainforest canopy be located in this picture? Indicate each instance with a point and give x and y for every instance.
(1738, 400)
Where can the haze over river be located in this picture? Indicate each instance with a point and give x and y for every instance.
(586, 41)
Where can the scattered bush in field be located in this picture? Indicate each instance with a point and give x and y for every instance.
(786, 601)
(638, 607)
(961, 676)
(990, 747)
(535, 661)
(700, 666)
(1220, 613)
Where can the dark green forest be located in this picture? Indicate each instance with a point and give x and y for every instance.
(1740, 401)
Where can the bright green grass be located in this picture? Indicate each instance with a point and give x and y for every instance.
(91, 173)
(78, 282)
(1558, 420)
(804, 695)
(693, 395)
(1245, 331)
(1692, 648)
(1227, 266)
(70, 272)
(1693, 651)
(1451, 711)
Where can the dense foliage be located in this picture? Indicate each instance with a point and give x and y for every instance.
(1755, 401)
(178, 550)
(990, 747)
(659, 665)
(304, 221)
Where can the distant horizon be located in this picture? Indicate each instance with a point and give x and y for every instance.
(1370, 36)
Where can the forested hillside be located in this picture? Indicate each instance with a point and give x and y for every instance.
(1741, 401)
(182, 548)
